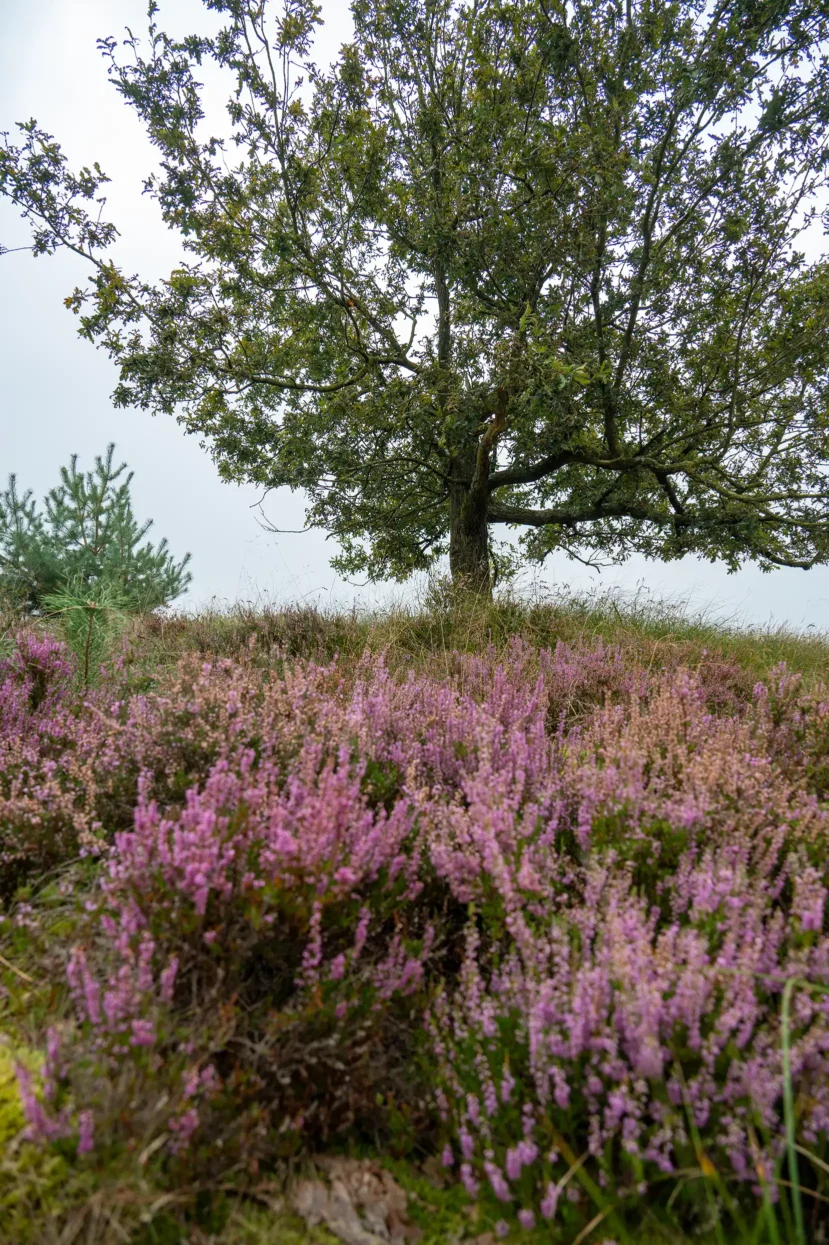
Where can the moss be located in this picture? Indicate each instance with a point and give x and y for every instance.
(441, 1213)
(12, 1119)
(253, 1225)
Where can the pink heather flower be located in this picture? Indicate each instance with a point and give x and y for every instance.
(361, 932)
(209, 1079)
(513, 1165)
(549, 1202)
(41, 1126)
(143, 1033)
(809, 898)
(522, 1155)
(497, 1182)
(53, 1065)
(473, 1108)
(502, 1228)
(145, 970)
(32, 1109)
(167, 980)
(53, 1044)
(469, 1182)
(86, 1132)
(336, 968)
(85, 989)
(191, 1082)
(562, 1089)
(183, 1127)
(447, 1158)
(527, 1220)
(312, 955)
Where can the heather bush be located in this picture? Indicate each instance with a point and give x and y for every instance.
(534, 913)
(40, 821)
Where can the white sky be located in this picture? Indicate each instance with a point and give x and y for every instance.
(54, 387)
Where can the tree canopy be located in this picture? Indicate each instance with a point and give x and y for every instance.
(507, 263)
(85, 539)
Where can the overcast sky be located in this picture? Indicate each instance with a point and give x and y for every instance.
(54, 387)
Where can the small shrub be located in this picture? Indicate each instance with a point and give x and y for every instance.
(86, 536)
(90, 618)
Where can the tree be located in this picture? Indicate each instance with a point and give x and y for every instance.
(87, 544)
(526, 263)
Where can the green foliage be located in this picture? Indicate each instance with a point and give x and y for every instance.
(525, 265)
(86, 548)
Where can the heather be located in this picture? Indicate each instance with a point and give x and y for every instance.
(522, 912)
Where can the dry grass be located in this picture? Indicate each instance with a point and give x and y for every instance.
(421, 636)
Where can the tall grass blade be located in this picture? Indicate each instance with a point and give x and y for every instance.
(788, 1109)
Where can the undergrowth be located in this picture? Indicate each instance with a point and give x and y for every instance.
(518, 894)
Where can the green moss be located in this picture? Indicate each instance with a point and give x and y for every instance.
(253, 1225)
(442, 1214)
(12, 1119)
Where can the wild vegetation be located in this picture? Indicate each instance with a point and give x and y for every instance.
(526, 903)
(532, 897)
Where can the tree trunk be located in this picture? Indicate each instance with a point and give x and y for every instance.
(469, 542)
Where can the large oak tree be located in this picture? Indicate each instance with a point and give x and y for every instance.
(530, 263)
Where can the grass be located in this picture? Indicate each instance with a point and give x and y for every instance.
(658, 633)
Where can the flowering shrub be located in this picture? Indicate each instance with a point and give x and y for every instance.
(39, 820)
(541, 909)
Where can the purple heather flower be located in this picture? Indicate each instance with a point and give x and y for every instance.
(86, 1132)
